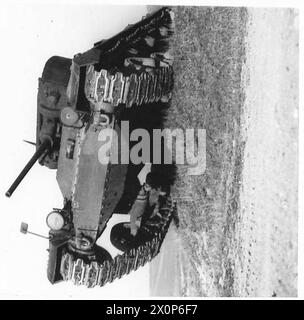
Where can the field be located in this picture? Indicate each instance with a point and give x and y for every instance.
(236, 76)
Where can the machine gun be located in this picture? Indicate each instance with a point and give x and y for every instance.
(126, 77)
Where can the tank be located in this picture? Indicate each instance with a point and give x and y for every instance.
(84, 103)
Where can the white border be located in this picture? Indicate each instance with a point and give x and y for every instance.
(248, 3)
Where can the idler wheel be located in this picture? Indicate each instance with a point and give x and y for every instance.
(122, 239)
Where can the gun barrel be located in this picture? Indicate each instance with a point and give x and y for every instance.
(46, 144)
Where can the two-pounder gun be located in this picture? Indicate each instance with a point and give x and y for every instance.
(44, 146)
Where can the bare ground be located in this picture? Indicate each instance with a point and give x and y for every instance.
(236, 75)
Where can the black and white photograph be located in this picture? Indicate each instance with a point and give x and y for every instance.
(151, 151)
